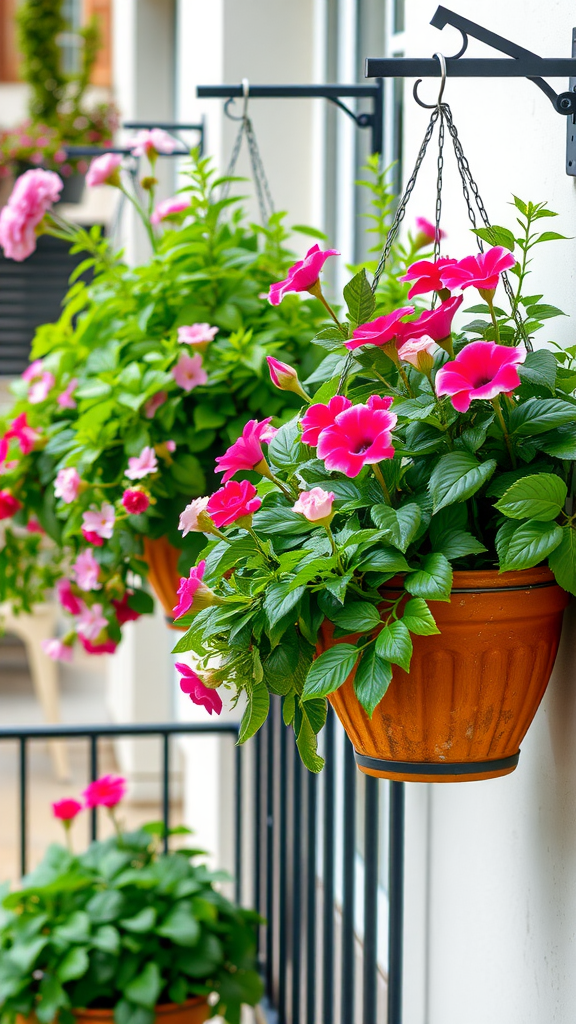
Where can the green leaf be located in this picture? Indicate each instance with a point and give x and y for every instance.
(496, 235)
(105, 906)
(394, 644)
(372, 679)
(128, 1013)
(143, 921)
(433, 580)
(454, 543)
(382, 560)
(307, 743)
(418, 618)
(277, 519)
(284, 448)
(561, 443)
(359, 298)
(329, 671)
(256, 711)
(181, 927)
(562, 560)
(540, 496)
(399, 525)
(23, 955)
(145, 988)
(357, 617)
(457, 476)
(539, 368)
(530, 544)
(537, 415)
(280, 600)
(74, 965)
(52, 997)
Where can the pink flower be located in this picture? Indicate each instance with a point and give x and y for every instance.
(104, 170)
(91, 622)
(33, 371)
(427, 276)
(170, 446)
(41, 388)
(315, 505)
(154, 403)
(67, 597)
(67, 809)
(105, 792)
(233, 501)
(33, 526)
(135, 501)
(86, 571)
(435, 323)
(124, 613)
(100, 521)
(105, 647)
(246, 452)
(379, 331)
(481, 370)
(360, 436)
(412, 352)
(143, 464)
(67, 484)
(189, 372)
(8, 505)
(303, 275)
(191, 684)
(196, 334)
(285, 377)
(482, 271)
(92, 538)
(57, 650)
(151, 142)
(189, 587)
(168, 207)
(24, 435)
(64, 399)
(427, 231)
(190, 518)
(32, 195)
(318, 417)
(17, 235)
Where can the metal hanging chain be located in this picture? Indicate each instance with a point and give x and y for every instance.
(263, 194)
(439, 174)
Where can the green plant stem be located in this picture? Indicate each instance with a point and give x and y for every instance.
(404, 377)
(498, 411)
(494, 320)
(334, 547)
(145, 221)
(115, 822)
(382, 482)
(257, 542)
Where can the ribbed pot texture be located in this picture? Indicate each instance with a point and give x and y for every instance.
(462, 711)
(162, 559)
(193, 1011)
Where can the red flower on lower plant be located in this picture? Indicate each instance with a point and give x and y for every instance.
(135, 501)
(233, 501)
(68, 599)
(92, 538)
(8, 505)
(360, 436)
(66, 809)
(124, 613)
(482, 369)
(107, 791)
(192, 684)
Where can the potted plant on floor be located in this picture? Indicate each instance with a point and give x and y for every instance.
(405, 546)
(123, 932)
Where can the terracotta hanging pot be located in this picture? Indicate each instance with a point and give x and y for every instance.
(462, 712)
(162, 559)
(193, 1011)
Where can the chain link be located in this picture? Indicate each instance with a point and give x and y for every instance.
(263, 194)
(439, 175)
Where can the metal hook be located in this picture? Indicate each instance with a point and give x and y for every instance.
(246, 95)
(432, 106)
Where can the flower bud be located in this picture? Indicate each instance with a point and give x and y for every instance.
(285, 377)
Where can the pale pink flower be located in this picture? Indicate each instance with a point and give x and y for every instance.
(91, 622)
(318, 417)
(57, 650)
(189, 518)
(65, 399)
(360, 436)
(191, 684)
(41, 388)
(86, 571)
(196, 334)
(170, 446)
(67, 484)
(233, 501)
(411, 350)
(189, 372)
(100, 522)
(246, 452)
(153, 404)
(104, 170)
(168, 207)
(32, 195)
(481, 370)
(151, 142)
(33, 371)
(143, 464)
(315, 504)
(302, 276)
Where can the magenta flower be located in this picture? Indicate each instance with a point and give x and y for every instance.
(319, 416)
(189, 372)
(86, 571)
(104, 170)
(200, 694)
(41, 388)
(188, 589)
(379, 331)
(197, 334)
(427, 276)
(246, 453)
(153, 404)
(151, 142)
(92, 538)
(482, 271)
(143, 464)
(32, 195)
(435, 323)
(33, 371)
(65, 399)
(67, 484)
(302, 276)
(360, 436)
(315, 505)
(233, 501)
(426, 232)
(33, 526)
(24, 435)
(9, 505)
(57, 650)
(482, 370)
(107, 646)
(168, 207)
(100, 521)
(124, 613)
(67, 809)
(67, 597)
(135, 501)
(191, 517)
(105, 792)
(91, 622)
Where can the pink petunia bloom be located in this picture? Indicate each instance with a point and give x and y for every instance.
(246, 453)
(34, 370)
(154, 403)
(124, 613)
(196, 334)
(435, 323)
(9, 505)
(23, 434)
(92, 538)
(379, 331)
(168, 207)
(65, 399)
(100, 521)
(107, 791)
(33, 526)
(415, 350)
(68, 598)
(107, 646)
(426, 232)
(143, 464)
(67, 484)
(359, 437)
(189, 372)
(427, 276)
(233, 501)
(482, 370)
(41, 388)
(481, 272)
(192, 516)
(104, 170)
(200, 694)
(302, 276)
(67, 809)
(319, 416)
(151, 142)
(86, 571)
(32, 195)
(56, 650)
(190, 588)
(315, 504)
(135, 501)
(91, 622)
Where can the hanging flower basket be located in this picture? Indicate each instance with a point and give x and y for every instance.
(162, 560)
(193, 1011)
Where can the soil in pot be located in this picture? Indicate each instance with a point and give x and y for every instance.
(193, 1011)
(463, 710)
(162, 559)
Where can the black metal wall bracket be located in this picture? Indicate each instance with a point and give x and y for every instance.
(374, 120)
(524, 65)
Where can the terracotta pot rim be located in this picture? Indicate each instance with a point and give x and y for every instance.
(490, 579)
(160, 1008)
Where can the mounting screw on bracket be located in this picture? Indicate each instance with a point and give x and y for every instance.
(571, 122)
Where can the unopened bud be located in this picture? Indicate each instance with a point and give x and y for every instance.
(285, 377)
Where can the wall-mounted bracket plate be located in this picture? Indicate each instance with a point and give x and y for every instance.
(571, 124)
